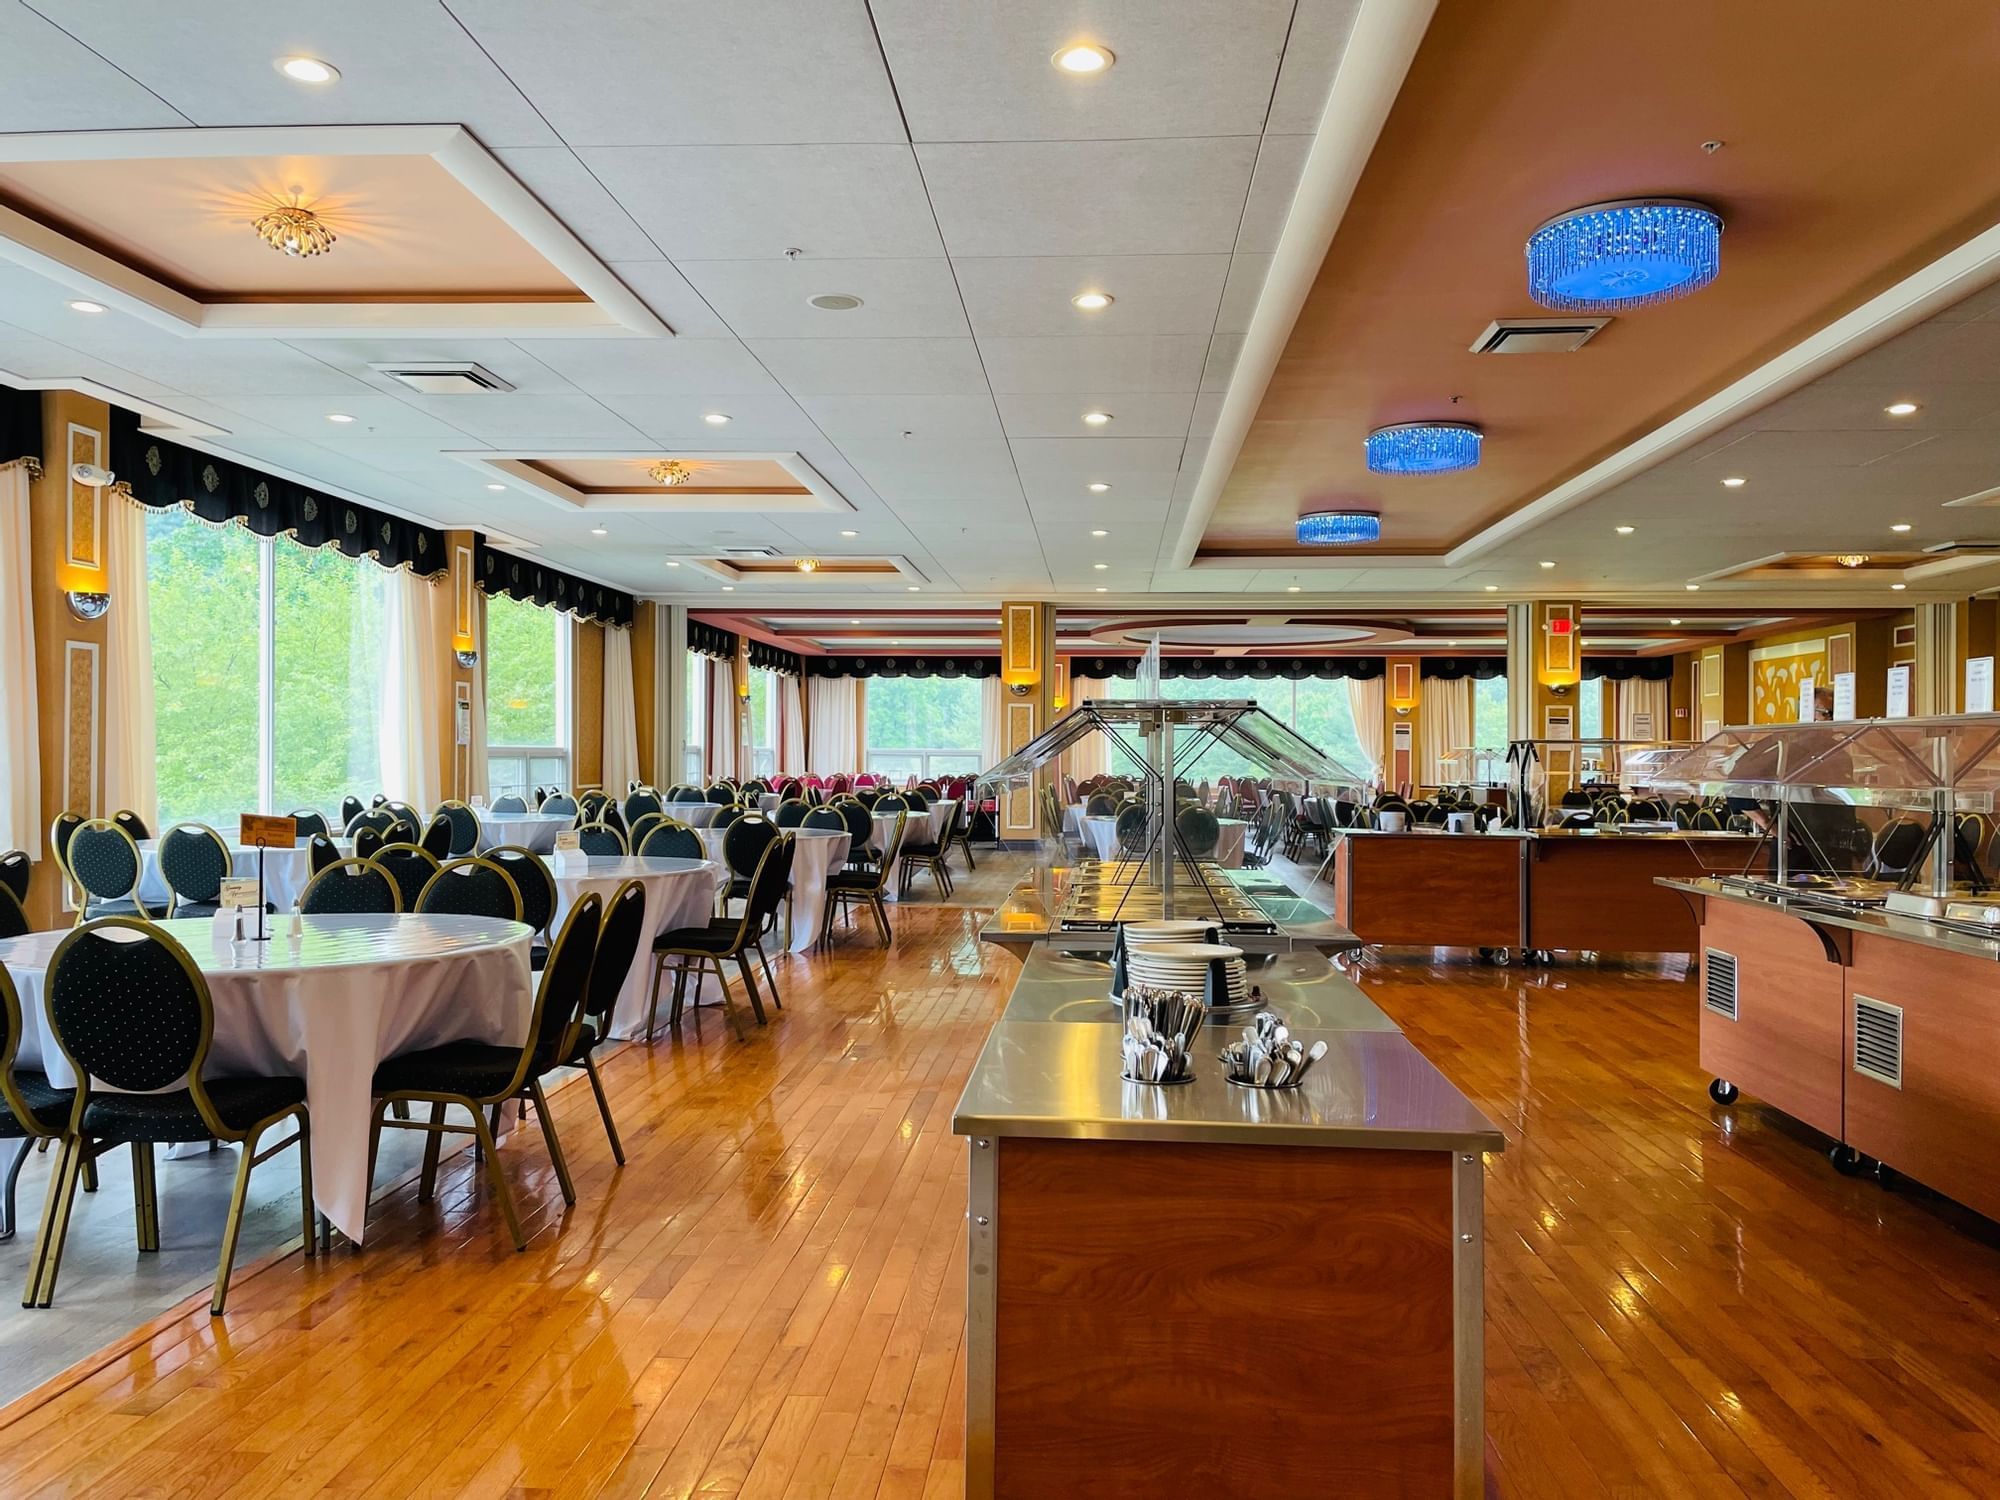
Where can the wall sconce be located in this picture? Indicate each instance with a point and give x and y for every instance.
(87, 605)
(743, 691)
(1402, 710)
(1560, 689)
(467, 658)
(1020, 689)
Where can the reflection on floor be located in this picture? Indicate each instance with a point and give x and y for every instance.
(769, 1300)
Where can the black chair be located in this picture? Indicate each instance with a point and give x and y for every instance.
(644, 824)
(696, 950)
(131, 1011)
(13, 919)
(889, 802)
(1200, 831)
(743, 846)
(618, 944)
(310, 822)
(639, 804)
(380, 819)
(846, 889)
(1896, 848)
(918, 800)
(437, 839)
(559, 805)
(926, 857)
(686, 794)
(860, 832)
(727, 815)
(405, 813)
(464, 829)
(368, 842)
(541, 796)
(321, 851)
(720, 794)
(602, 839)
(61, 831)
(194, 862)
(478, 1076)
(610, 817)
(1132, 830)
(16, 869)
(133, 824)
(471, 888)
(411, 866)
(502, 806)
(962, 838)
(350, 809)
(402, 831)
(536, 885)
(351, 888)
(672, 841)
(104, 862)
(827, 820)
(791, 813)
(30, 1110)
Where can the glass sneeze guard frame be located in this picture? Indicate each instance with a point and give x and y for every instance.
(1532, 768)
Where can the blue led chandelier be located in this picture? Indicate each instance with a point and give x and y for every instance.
(1610, 257)
(1339, 528)
(1423, 448)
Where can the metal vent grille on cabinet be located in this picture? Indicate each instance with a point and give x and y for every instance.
(1718, 982)
(1878, 1041)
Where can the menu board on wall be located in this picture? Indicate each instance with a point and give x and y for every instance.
(1979, 685)
(1807, 687)
(1899, 692)
(1843, 695)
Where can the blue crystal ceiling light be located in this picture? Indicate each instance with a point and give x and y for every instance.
(1339, 528)
(1423, 448)
(1609, 257)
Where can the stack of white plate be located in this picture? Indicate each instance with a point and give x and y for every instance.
(1171, 930)
(1184, 967)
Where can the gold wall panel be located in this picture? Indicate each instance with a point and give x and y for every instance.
(1775, 675)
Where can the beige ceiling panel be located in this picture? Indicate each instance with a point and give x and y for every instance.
(701, 368)
(1100, 363)
(832, 367)
(772, 298)
(1133, 415)
(1029, 296)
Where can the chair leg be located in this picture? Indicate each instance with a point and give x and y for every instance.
(308, 1212)
(47, 1261)
(145, 1197)
(433, 1144)
(497, 1177)
(400, 1109)
(9, 1213)
(90, 1174)
(881, 910)
(555, 1144)
(765, 959)
(728, 1005)
(375, 1138)
(604, 1109)
(233, 1226)
(750, 986)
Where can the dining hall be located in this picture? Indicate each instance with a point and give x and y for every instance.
(899, 750)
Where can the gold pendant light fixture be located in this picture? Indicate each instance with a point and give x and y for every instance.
(293, 229)
(670, 471)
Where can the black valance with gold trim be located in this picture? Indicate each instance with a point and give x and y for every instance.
(1233, 668)
(1628, 668)
(902, 666)
(522, 578)
(162, 475)
(776, 659)
(20, 426)
(705, 639)
(1452, 668)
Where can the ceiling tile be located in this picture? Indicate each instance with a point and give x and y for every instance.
(1029, 296)
(656, 367)
(1240, 293)
(567, 189)
(245, 367)
(1103, 365)
(887, 420)
(833, 367)
(1134, 415)
(757, 424)
(513, 363)
(689, 72)
(51, 81)
(376, 414)
(662, 288)
(1221, 361)
(757, 202)
(985, 72)
(1318, 38)
(936, 473)
(769, 299)
(1139, 470)
(506, 420)
(1280, 159)
(1179, 197)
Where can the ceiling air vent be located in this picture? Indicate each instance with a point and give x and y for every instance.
(451, 377)
(748, 552)
(1718, 982)
(1536, 335)
(1878, 1041)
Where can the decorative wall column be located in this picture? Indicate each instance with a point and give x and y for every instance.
(1939, 678)
(1028, 668)
(670, 703)
(645, 689)
(1544, 666)
(586, 696)
(466, 631)
(1402, 707)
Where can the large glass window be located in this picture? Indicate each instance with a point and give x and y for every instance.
(926, 727)
(527, 697)
(1489, 730)
(695, 769)
(329, 659)
(1590, 709)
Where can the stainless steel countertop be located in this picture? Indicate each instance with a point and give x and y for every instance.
(1606, 833)
(1301, 986)
(1884, 924)
(1028, 916)
(1372, 1090)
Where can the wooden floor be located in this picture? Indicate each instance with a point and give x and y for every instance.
(768, 1301)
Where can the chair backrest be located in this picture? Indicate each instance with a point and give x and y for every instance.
(471, 888)
(350, 809)
(1131, 828)
(828, 818)
(405, 813)
(724, 816)
(772, 879)
(378, 818)
(720, 794)
(891, 802)
(745, 840)
(368, 841)
(790, 813)
(464, 828)
(438, 837)
(1897, 844)
(1707, 819)
(61, 831)
(560, 805)
(509, 804)
(194, 862)
(918, 800)
(1099, 805)
(402, 831)
(411, 866)
(601, 838)
(104, 860)
(128, 1006)
(610, 817)
(132, 823)
(860, 826)
(310, 821)
(890, 846)
(531, 877)
(16, 869)
(350, 888)
(645, 824)
(565, 986)
(639, 804)
(618, 940)
(686, 794)
(321, 851)
(1199, 829)
(13, 915)
(672, 841)
(541, 796)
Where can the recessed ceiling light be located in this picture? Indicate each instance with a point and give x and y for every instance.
(1101, 567)
(1693, 588)
(1734, 482)
(1898, 587)
(496, 486)
(1099, 488)
(1096, 418)
(854, 622)
(1901, 408)
(1100, 532)
(1547, 563)
(716, 418)
(307, 70)
(86, 307)
(1102, 589)
(835, 302)
(597, 531)
(1624, 530)
(729, 588)
(1674, 621)
(1492, 588)
(1083, 57)
(915, 590)
(672, 563)
(1092, 301)
(850, 533)
(1451, 644)
(338, 416)
(1291, 588)
(1900, 526)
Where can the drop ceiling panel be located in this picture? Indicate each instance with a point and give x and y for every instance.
(756, 423)
(205, 369)
(1280, 159)
(886, 420)
(963, 473)
(1183, 68)
(51, 81)
(832, 367)
(1180, 197)
(699, 368)
(757, 202)
(1029, 296)
(771, 298)
(666, 292)
(1320, 29)
(1058, 470)
(569, 191)
(513, 363)
(1133, 415)
(376, 414)
(1099, 363)
(512, 418)
(1240, 292)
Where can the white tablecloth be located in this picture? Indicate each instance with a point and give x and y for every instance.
(768, 801)
(533, 831)
(679, 893)
(1102, 836)
(349, 993)
(820, 851)
(694, 814)
(287, 872)
(1073, 820)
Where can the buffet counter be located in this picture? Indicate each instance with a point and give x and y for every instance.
(1874, 1028)
(1153, 1266)
(1553, 888)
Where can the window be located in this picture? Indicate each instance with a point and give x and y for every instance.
(527, 697)
(926, 727)
(763, 723)
(695, 768)
(1590, 709)
(1317, 708)
(1489, 730)
(268, 662)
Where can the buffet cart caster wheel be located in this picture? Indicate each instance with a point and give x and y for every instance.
(1502, 957)
(1722, 1091)
(1846, 1160)
(1486, 956)
(1885, 1176)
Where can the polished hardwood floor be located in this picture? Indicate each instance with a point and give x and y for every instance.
(768, 1300)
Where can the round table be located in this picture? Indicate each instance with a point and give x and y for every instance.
(694, 814)
(817, 853)
(532, 831)
(287, 872)
(328, 1005)
(1101, 833)
(679, 893)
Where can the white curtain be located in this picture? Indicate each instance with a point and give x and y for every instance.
(475, 752)
(1638, 698)
(791, 728)
(1091, 755)
(992, 722)
(21, 722)
(621, 713)
(836, 726)
(1444, 724)
(721, 720)
(130, 769)
(1365, 700)
(412, 688)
